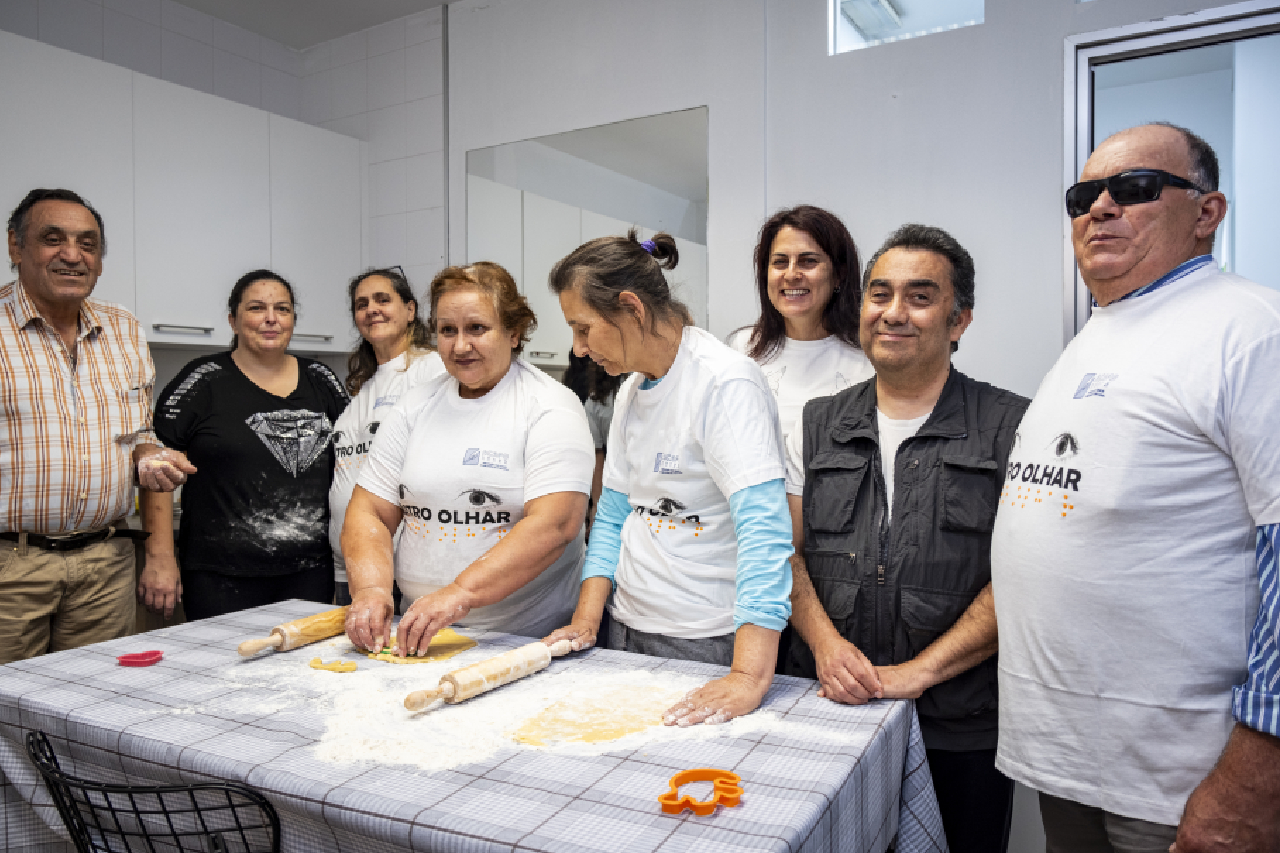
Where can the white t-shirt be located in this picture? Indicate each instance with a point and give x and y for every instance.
(801, 370)
(677, 451)
(354, 431)
(1123, 553)
(463, 470)
(892, 434)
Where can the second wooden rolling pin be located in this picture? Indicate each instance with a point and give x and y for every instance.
(300, 632)
(462, 684)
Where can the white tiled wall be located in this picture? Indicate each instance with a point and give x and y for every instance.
(168, 40)
(385, 85)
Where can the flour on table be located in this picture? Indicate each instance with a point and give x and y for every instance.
(578, 710)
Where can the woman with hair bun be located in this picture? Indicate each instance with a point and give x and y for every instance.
(808, 281)
(692, 537)
(393, 356)
(488, 466)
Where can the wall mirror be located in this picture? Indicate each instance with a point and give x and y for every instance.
(530, 203)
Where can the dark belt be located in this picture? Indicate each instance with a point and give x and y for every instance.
(74, 541)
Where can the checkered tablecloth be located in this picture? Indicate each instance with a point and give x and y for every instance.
(117, 724)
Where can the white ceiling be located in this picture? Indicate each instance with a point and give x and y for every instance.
(667, 151)
(303, 23)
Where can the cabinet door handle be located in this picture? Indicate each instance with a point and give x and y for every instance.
(175, 327)
(312, 336)
(541, 354)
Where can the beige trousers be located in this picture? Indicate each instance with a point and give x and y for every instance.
(55, 600)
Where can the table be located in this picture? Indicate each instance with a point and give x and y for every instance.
(127, 725)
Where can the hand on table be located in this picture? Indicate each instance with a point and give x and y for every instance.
(719, 701)
(429, 614)
(163, 470)
(160, 585)
(845, 673)
(369, 618)
(581, 635)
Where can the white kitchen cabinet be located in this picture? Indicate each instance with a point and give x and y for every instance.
(493, 225)
(68, 124)
(315, 228)
(551, 231)
(203, 208)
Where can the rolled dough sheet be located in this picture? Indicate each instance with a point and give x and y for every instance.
(444, 645)
(587, 718)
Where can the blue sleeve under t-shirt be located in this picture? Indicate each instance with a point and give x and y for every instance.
(762, 523)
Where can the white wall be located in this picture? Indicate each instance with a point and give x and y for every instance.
(519, 70)
(385, 85)
(170, 41)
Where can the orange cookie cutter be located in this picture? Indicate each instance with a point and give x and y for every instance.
(726, 791)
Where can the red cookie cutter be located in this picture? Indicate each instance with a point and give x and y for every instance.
(140, 658)
(726, 791)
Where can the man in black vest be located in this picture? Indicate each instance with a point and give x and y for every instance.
(893, 486)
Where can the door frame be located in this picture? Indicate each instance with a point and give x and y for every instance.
(1086, 51)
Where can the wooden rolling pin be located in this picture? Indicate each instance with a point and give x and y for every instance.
(300, 632)
(462, 684)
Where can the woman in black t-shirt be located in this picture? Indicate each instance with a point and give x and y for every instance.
(257, 424)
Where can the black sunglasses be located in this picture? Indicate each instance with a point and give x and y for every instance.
(1136, 186)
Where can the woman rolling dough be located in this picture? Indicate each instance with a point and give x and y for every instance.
(692, 536)
(394, 355)
(806, 340)
(489, 467)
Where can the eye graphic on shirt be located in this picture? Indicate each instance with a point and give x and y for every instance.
(403, 491)
(1017, 440)
(373, 427)
(1065, 446)
(480, 498)
(668, 506)
(337, 438)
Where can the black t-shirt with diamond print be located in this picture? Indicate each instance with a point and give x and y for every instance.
(259, 503)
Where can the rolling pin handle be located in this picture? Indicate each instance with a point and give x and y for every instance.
(251, 647)
(420, 699)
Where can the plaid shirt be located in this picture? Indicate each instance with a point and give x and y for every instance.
(67, 431)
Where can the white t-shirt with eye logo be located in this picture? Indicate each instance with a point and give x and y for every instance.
(462, 471)
(1123, 559)
(354, 432)
(677, 451)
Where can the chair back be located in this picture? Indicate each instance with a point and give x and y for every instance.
(216, 817)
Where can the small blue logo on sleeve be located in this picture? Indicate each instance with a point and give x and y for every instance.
(471, 456)
(667, 463)
(1094, 385)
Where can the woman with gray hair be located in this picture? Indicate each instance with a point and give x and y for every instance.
(692, 538)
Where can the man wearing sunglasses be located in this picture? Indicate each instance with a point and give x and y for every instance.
(1139, 674)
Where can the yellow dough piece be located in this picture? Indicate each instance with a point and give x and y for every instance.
(444, 645)
(336, 666)
(593, 719)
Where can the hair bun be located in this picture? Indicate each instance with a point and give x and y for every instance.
(664, 249)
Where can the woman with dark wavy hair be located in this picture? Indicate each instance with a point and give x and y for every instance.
(393, 356)
(808, 281)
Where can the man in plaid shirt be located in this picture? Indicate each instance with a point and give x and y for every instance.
(75, 425)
